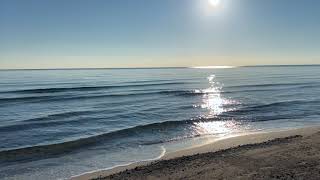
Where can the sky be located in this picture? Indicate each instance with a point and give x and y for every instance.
(157, 33)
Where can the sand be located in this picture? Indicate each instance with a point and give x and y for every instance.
(289, 154)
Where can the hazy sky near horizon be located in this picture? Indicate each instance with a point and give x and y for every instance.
(153, 33)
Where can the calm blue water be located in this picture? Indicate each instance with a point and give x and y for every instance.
(59, 123)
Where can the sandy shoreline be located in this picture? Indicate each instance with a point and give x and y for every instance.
(174, 165)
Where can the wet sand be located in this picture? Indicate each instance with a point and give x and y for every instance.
(290, 154)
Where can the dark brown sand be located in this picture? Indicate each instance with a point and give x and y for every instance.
(294, 157)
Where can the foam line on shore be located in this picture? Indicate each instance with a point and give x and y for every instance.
(162, 154)
(213, 146)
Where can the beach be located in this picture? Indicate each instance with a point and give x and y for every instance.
(286, 154)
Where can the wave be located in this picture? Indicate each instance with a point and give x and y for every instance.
(57, 98)
(302, 87)
(88, 88)
(278, 110)
(135, 84)
(74, 117)
(311, 84)
(285, 104)
(255, 113)
(61, 115)
(185, 93)
(44, 151)
(27, 98)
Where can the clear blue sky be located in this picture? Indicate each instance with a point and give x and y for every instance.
(152, 33)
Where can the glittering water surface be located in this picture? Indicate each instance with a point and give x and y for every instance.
(60, 123)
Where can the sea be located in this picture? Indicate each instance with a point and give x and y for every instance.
(59, 123)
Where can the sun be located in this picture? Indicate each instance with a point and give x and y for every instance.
(214, 3)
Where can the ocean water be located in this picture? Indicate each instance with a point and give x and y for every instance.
(55, 124)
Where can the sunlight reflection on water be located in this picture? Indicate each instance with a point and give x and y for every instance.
(212, 98)
(213, 101)
(217, 127)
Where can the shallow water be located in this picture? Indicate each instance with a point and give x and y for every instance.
(59, 123)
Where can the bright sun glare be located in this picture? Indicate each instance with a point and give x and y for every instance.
(214, 3)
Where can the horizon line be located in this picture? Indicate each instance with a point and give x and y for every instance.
(172, 67)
